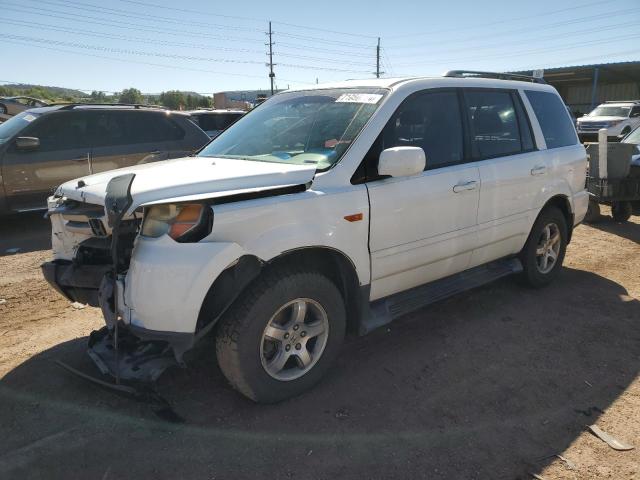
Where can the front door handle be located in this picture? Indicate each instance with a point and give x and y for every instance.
(82, 158)
(465, 186)
(155, 152)
(539, 170)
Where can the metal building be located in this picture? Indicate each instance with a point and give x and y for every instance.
(584, 87)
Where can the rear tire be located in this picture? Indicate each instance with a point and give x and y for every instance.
(543, 254)
(271, 347)
(621, 211)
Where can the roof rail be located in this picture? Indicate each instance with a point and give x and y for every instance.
(500, 76)
(622, 101)
(71, 106)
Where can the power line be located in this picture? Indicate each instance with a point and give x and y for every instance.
(538, 39)
(175, 67)
(141, 16)
(94, 34)
(44, 41)
(199, 12)
(528, 29)
(525, 52)
(499, 22)
(126, 25)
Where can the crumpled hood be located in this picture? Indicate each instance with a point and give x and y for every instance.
(190, 178)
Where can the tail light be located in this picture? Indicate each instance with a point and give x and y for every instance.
(185, 223)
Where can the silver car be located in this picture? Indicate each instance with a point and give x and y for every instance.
(15, 105)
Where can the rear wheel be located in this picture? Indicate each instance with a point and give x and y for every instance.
(282, 336)
(621, 211)
(543, 254)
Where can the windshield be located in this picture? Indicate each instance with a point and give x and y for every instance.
(12, 126)
(610, 111)
(312, 127)
(633, 137)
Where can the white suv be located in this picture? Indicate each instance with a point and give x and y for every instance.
(618, 117)
(323, 211)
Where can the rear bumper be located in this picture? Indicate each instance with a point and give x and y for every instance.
(77, 283)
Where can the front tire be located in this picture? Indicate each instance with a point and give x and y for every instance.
(3, 109)
(621, 211)
(593, 212)
(543, 254)
(282, 335)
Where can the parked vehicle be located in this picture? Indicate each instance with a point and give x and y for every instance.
(44, 147)
(329, 210)
(15, 105)
(215, 121)
(618, 117)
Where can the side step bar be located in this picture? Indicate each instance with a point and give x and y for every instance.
(386, 310)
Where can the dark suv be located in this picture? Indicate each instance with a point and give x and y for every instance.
(45, 147)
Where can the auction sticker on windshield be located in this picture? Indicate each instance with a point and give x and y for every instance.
(359, 98)
(29, 118)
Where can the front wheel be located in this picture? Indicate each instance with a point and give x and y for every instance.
(3, 109)
(621, 211)
(544, 251)
(282, 335)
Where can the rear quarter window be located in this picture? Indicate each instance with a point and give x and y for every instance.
(557, 128)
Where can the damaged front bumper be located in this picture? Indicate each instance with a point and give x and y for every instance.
(135, 359)
(142, 354)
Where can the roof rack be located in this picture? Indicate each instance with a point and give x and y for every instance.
(623, 101)
(500, 76)
(71, 106)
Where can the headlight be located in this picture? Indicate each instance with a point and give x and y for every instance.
(613, 123)
(188, 222)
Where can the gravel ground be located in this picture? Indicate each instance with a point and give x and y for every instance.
(490, 384)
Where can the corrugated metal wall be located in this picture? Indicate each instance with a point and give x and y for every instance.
(578, 97)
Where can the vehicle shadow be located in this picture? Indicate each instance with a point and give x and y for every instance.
(629, 230)
(484, 385)
(27, 232)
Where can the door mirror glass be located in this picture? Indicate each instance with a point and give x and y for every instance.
(27, 143)
(402, 161)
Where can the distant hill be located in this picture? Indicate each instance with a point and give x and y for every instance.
(52, 91)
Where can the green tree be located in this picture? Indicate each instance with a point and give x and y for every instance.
(205, 102)
(98, 97)
(131, 95)
(173, 99)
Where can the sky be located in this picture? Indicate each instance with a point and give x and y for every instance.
(209, 46)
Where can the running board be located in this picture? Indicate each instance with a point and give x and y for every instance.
(386, 310)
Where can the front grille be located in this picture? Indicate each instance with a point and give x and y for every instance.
(592, 126)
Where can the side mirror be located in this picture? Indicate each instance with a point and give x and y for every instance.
(27, 143)
(402, 161)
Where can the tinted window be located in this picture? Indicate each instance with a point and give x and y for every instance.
(60, 131)
(635, 112)
(431, 121)
(216, 121)
(132, 127)
(12, 126)
(494, 123)
(557, 127)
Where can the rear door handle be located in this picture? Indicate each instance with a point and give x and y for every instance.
(465, 186)
(539, 170)
(155, 152)
(82, 158)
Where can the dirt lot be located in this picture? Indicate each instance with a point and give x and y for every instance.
(488, 385)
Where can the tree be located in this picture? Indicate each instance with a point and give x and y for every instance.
(131, 95)
(173, 99)
(98, 97)
(205, 102)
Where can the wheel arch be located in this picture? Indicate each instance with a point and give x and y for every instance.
(562, 203)
(228, 287)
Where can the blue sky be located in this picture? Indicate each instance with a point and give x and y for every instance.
(207, 46)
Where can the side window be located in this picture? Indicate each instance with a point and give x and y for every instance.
(155, 127)
(635, 112)
(493, 122)
(107, 129)
(552, 115)
(431, 121)
(61, 131)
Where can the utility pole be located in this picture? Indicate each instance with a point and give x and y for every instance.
(270, 65)
(378, 59)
